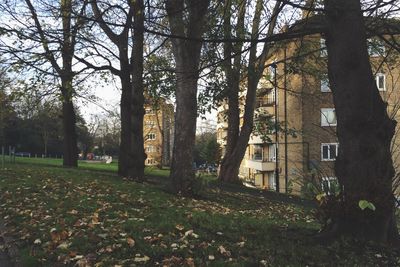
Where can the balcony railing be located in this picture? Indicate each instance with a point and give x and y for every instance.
(260, 165)
(257, 157)
(265, 102)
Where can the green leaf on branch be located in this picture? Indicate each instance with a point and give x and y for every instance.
(364, 204)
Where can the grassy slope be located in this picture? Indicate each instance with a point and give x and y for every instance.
(93, 216)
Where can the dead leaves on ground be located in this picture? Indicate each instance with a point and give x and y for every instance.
(98, 223)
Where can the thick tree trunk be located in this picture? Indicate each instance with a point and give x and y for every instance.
(131, 151)
(137, 146)
(229, 170)
(182, 172)
(364, 166)
(230, 165)
(237, 140)
(186, 19)
(70, 147)
(125, 159)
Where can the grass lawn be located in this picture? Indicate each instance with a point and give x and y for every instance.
(91, 217)
(87, 165)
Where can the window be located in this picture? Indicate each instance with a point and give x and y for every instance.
(324, 51)
(272, 153)
(271, 71)
(329, 151)
(380, 79)
(257, 152)
(328, 117)
(149, 123)
(150, 149)
(329, 185)
(150, 161)
(149, 111)
(325, 85)
(151, 136)
(271, 180)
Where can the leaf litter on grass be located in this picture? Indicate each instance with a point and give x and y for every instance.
(66, 217)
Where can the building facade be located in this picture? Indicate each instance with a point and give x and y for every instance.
(294, 139)
(158, 127)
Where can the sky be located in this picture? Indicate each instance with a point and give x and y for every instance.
(109, 98)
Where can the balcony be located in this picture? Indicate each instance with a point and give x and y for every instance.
(255, 139)
(265, 101)
(260, 165)
(270, 110)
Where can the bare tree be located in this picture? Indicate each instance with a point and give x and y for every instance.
(54, 44)
(238, 136)
(130, 72)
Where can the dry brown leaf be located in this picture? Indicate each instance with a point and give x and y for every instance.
(180, 227)
(131, 241)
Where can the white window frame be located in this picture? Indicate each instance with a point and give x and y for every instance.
(151, 161)
(272, 152)
(325, 85)
(151, 136)
(328, 180)
(329, 145)
(262, 152)
(271, 181)
(150, 149)
(324, 51)
(149, 111)
(377, 77)
(324, 118)
(149, 123)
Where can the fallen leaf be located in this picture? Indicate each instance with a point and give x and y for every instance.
(223, 251)
(131, 241)
(141, 259)
(180, 227)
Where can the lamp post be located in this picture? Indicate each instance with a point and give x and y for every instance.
(274, 65)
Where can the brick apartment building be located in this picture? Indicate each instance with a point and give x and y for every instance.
(158, 127)
(305, 147)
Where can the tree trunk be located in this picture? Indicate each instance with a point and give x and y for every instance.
(182, 172)
(364, 165)
(131, 151)
(125, 159)
(186, 19)
(229, 171)
(137, 147)
(237, 140)
(70, 146)
(230, 165)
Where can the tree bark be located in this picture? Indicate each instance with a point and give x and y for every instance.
(137, 146)
(364, 165)
(237, 140)
(70, 147)
(229, 171)
(65, 72)
(187, 57)
(125, 159)
(131, 149)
